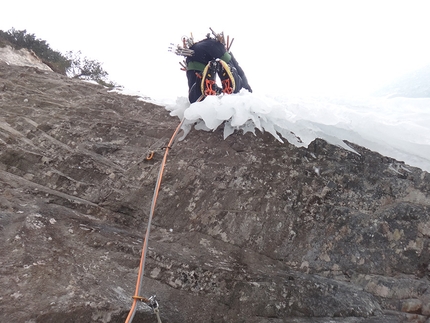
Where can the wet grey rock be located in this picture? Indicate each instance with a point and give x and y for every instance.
(246, 229)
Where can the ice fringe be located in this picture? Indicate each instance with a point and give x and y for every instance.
(247, 112)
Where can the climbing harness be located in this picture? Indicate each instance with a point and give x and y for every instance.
(150, 301)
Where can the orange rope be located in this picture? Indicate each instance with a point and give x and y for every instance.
(137, 296)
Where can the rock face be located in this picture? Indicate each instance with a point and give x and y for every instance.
(245, 229)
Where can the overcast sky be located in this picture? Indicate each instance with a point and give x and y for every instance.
(285, 47)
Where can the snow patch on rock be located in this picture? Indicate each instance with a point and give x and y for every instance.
(22, 57)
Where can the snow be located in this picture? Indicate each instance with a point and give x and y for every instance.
(21, 57)
(395, 127)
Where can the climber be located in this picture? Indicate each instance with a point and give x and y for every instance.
(204, 61)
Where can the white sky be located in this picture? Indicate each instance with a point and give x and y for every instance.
(288, 47)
